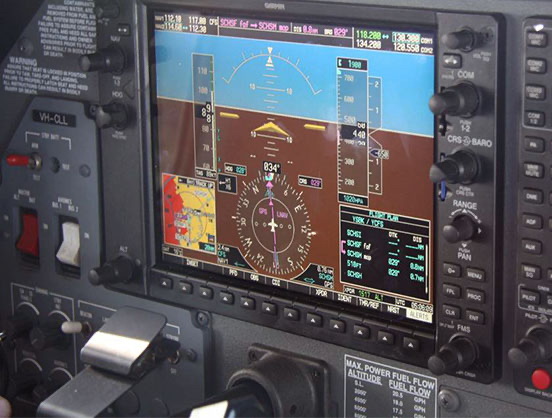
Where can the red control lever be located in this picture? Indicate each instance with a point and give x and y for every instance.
(18, 160)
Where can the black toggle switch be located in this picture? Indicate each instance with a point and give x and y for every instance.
(112, 115)
(462, 228)
(458, 354)
(459, 167)
(108, 60)
(535, 347)
(119, 270)
(462, 99)
(464, 40)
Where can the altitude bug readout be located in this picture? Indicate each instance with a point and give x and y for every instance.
(296, 155)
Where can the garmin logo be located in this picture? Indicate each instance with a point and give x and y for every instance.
(275, 6)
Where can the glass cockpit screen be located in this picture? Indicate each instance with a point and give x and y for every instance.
(297, 155)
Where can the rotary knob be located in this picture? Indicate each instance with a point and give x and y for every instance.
(464, 40)
(112, 115)
(107, 60)
(19, 325)
(119, 270)
(535, 347)
(459, 167)
(49, 335)
(458, 354)
(55, 380)
(461, 99)
(462, 228)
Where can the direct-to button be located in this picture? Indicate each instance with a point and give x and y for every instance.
(476, 275)
(535, 65)
(247, 303)
(474, 295)
(452, 61)
(475, 316)
(529, 296)
(314, 320)
(541, 379)
(533, 196)
(533, 170)
(269, 308)
(69, 250)
(537, 39)
(452, 291)
(531, 246)
(226, 297)
(535, 92)
(534, 118)
(205, 292)
(528, 271)
(532, 221)
(291, 314)
(533, 144)
(165, 283)
(385, 337)
(451, 311)
(336, 325)
(452, 270)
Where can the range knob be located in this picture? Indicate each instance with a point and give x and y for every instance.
(462, 228)
(108, 10)
(464, 40)
(458, 354)
(108, 60)
(112, 115)
(119, 270)
(49, 335)
(535, 347)
(459, 167)
(462, 99)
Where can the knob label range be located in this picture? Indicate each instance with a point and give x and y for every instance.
(377, 390)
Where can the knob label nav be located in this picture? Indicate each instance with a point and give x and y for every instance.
(399, 392)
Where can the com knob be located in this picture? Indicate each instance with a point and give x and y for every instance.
(459, 167)
(107, 60)
(461, 99)
(49, 335)
(464, 40)
(535, 347)
(119, 270)
(112, 115)
(458, 354)
(462, 228)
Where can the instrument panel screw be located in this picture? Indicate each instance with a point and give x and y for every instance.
(449, 400)
(202, 319)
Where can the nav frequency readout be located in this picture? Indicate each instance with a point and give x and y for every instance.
(296, 155)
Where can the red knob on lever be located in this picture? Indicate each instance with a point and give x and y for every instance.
(18, 160)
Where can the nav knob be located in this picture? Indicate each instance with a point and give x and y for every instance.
(119, 270)
(462, 228)
(459, 167)
(108, 60)
(535, 347)
(48, 335)
(464, 40)
(458, 354)
(462, 99)
(112, 115)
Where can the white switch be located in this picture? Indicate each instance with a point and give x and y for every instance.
(69, 251)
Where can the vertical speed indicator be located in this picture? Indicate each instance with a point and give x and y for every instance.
(273, 226)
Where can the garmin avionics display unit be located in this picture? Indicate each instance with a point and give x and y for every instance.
(296, 155)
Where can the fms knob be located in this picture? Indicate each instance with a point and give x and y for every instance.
(458, 354)
(464, 40)
(119, 270)
(49, 335)
(108, 60)
(459, 167)
(462, 228)
(462, 99)
(535, 347)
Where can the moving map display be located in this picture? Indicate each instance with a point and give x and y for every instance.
(296, 155)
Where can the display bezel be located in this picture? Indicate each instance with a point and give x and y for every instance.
(407, 20)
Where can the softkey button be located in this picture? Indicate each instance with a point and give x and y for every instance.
(531, 221)
(535, 92)
(337, 325)
(247, 303)
(166, 283)
(529, 296)
(185, 287)
(452, 291)
(533, 196)
(534, 144)
(205, 292)
(474, 295)
(451, 311)
(453, 270)
(533, 170)
(535, 65)
(227, 298)
(475, 274)
(361, 331)
(385, 337)
(531, 246)
(529, 271)
(534, 118)
(291, 314)
(475, 316)
(537, 39)
(314, 319)
(410, 343)
(269, 308)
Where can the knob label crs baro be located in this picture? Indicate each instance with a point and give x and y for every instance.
(399, 392)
